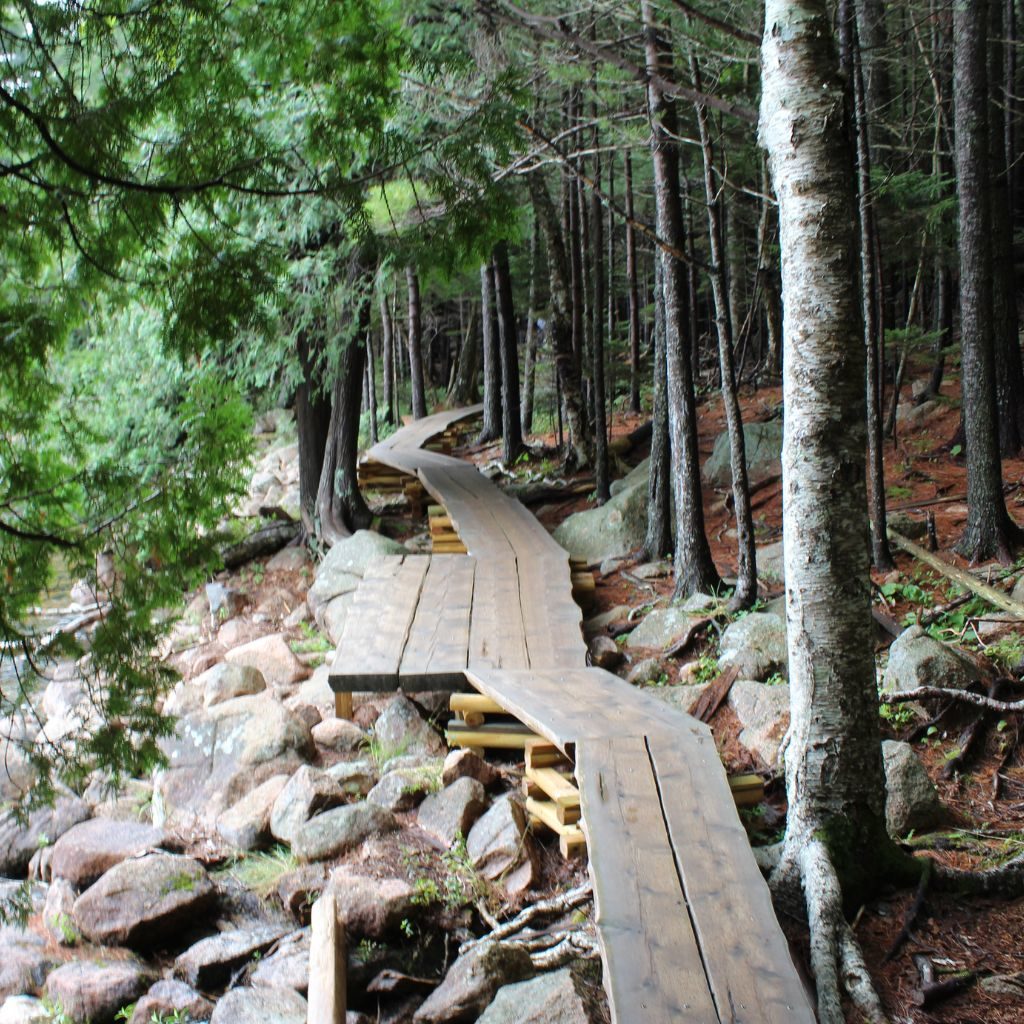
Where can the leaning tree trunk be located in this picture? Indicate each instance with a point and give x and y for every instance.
(313, 423)
(989, 532)
(658, 538)
(419, 401)
(695, 571)
(835, 831)
(491, 428)
(511, 424)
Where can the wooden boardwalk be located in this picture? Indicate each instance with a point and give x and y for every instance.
(684, 918)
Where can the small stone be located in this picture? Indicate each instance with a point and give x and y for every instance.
(225, 602)
(652, 570)
(605, 652)
(661, 628)
(336, 832)
(24, 1010)
(465, 764)
(648, 670)
(911, 801)
(339, 734)
(19, 842)
(210, 962)
(356, 778)
(92, 848)
(246, 825)
(58, 914)
(287, 966)
(265, 1005)
(755, 645)
(541, 1000)
(23, 962)
(168, 997)
(498, 844)
(472, 981)
(403, 789)
(451, 813)
(224, 681)
(290, 559)
(371, 907)
(298, 889)
(763, 713)
(89, 991)
(401, 729)
(918, 659)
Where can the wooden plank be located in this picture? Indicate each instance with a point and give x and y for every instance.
(474, 702)
(653, 966)
(437, 649)
(750, 970)
(548, 814)
(556, 785)
(327, 964)
(497, 637)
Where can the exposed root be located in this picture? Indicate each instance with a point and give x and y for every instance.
(915, 909)
(977, 699)
(1006, 880)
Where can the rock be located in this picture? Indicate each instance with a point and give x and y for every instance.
(649, 670)
(637, 475)
(64, 698)
(1006, 985)
(356, 778)
(371, 907)
(653, 570)
(94, 992)
(913, 416)
(763, 713)
(771, 565)
(500, 848)
(339, 734)
(599, 623)
(315, 692)
(246, 825)
(272, 656)
(541, 1000)
(451, 813)
(92, 848)
(218, 756)
(24, 1010)
(755, 645)
(236, 632)
(227, 680)
(131, 801)
(287, 966)
(763, 442)
(605, 653)
(23, 962)
(907, 524)
(611, 530)
(336, 832)
(298, 889)
(465, 764)
(20, 842)
(306, 793)
(210, 963)
(139, 903)
(344, 566)
(660, 628)
(266, 1005)
(402, 730)
(472, 981)
(334, 615)
(1018, 590)
(58, 915)
(911, 801)
(290, 559)
(168, 997)
(917, 659)
(404, 788)
(224, 602)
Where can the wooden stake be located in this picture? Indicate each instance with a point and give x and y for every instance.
(343, 705)
(327, 963)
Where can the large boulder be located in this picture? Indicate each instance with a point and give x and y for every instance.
(142, 903)
(500, 848)
(168, 997)
(266, 1005)
(211, 962)
(614, 528)
(24, 1010)
(661, 628)
(541, 1000)
(217, 756)
(401, 729)
(451, 813)
(24, 961)
(917, 659)
(911, 801)
(755, 645)
(308, 792)
(229, 680)
(371, 907)
(763, 442)
(344, 566)
(92, 848)
(404, 788)
(20, 841)
(336, 832)
(94, 992)
(271, 656)
(287, 966)
(763, 714)
(339, 735)
(246, 825)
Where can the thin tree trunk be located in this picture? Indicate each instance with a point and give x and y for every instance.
(464, 389)
(658, 538)
(633, 292)
(419, 401)
(387, 345)
(491, 428)
(371, 387)
(530, 369)
(695, 571)
(511, 425)
(312, 420)
(597, 339)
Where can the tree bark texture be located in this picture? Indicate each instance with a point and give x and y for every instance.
(695, 571)
(312, 420)
(464, 389)
(835, 783)
(387, 345)
(511, 424)
(658, 539)
(597, 315)
(633, 292)
(490, 430)
(530, 362)
(419, 400)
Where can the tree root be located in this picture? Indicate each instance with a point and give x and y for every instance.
(1006, 880)
(966, 696)
(915, 909)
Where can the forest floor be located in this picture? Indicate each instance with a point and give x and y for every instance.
(925, 474)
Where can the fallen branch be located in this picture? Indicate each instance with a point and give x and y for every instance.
(965, 696)
(581, 945)
(265, 541)
(705, 706)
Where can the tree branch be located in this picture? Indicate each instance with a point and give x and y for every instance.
(966, 696)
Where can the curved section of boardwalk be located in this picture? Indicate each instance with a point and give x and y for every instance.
(685, 920)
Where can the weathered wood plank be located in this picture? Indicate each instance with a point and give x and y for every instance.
(653, 966)
(327, 964)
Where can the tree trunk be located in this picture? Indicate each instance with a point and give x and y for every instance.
(387, 345)
(634, 294)
(491, 428)
(658, 539)
(746, 566)
(872, 33)
(989, 532)
(312, 420)
(511, 425)
(464, 389)
(597, 315)
(371, 387)
(419, 401)
(530, 369)
(834, 776)
(695, 571)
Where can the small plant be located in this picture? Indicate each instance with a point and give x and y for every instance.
(899, 716)
(707, 668)
(381, 752)
(1007, 652)
(367, 950)
(425, 891)
(407, 928)
(775, 679)
(261, 872)
(54, 1011)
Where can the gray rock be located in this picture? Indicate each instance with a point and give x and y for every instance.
(306, 793)
(246, 825)
(58, 915)
(472, 981)
(763, 713)
(465, 764)
(334, 615)
(339, 734)
(19, 843)
(266, 1005)
(290, 559)
(227, 680)
(771, 565)
(660, 628)
(913, 416)
(130, 801)
(611, 530)
(600, 622)
(500, 848)
(336, 832)
(94, 991)
(210, 963)
(605, 653)
(23, 962)
(755, 645)
(371, 907)
(541, 1000)
(92, 848)
(403, 788)
(225, 602)
(763, 443)
(315, 692)
(356, 778)
(345, 564)
(170, 996)
(649, 670)
(272, 656)
(653, 570)
(451, 813)
(139, 903)
(24, 1010)
(297, 890)
(639, 474)
(911, 801)
(1018, 590)
(401, 729)
(287, 966)
(218, 756)
(917, 659)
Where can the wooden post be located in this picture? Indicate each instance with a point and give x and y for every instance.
(343, 705)
(327, 961)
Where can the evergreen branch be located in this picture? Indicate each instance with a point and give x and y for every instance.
(723, 26)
